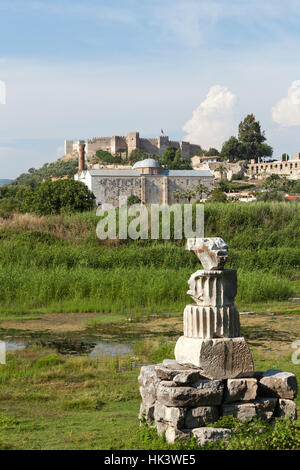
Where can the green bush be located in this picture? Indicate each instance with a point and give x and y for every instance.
(54, 197)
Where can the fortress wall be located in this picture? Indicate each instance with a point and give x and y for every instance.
(68, 146)
(103, 143)
(118, 144)
(149, 146)
(194, 149)
(185, 149)
(133, 141)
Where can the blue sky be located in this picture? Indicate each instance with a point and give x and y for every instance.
(194, 68)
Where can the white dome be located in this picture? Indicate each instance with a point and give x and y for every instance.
(147, 163)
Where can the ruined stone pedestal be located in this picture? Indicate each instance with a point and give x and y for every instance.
(179, 401)
(221, 358)
(213, 374)
(212, 339)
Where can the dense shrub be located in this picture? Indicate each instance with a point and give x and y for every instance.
(53, 197)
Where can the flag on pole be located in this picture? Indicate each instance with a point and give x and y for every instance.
(162, 131)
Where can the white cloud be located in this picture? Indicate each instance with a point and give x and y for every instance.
(213, 120)
(287, 111)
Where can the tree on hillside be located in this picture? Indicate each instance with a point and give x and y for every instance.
(217, 196)
(232, 150)
(105, 157)
(253, 138)
(54, 197)
(56, 169)
(212, 152)
(172, 160)
(285, 157)
(137, 155)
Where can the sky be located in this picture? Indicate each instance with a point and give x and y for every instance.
(194, 68)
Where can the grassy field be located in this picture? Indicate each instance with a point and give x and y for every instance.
(52, 401)
(56, 264)
(58, 281)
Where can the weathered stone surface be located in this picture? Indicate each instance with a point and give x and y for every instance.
(148, 395)
(262, 407)
(265, 407)
(286, 409)
(146, 412)
(204, 392)
(220, 358)
(161, 427)
(205, 435)
(242, 411)
(240, 390)
(188, 377)
(170, 415)
(200, 416)
(212, 252)
(209, 322)
(147, 376)
(173, 434)
(275, 383)
(148, 383)
(213, 288)
(169, 373)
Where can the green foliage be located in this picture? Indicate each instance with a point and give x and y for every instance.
(260, 435)
(232, 150)
(53, 197)
(217, 195)
(271, 195)
(132, 199)
(137, 155)
(238, 176)
(61, 266)
(48, 361)
(212, 152)
(53, 170)
(105, 157)
(281, 183)
(253, 139)
(172, 160)
(163, 351)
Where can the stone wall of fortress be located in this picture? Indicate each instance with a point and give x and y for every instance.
(125, 145)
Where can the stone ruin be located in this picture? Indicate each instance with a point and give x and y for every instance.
(213, 372)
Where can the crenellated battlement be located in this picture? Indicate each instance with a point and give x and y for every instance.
(124, 145)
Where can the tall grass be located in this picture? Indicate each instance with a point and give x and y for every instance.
(137, 290)
(56, 262)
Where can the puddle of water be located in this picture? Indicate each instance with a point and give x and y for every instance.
(92, 348)
(104, 348)
(14, 345)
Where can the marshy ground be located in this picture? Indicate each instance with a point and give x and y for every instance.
(55, 397)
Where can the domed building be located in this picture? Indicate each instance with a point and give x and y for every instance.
(147, 180)
(149, 166)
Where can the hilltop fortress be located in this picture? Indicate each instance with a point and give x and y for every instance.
(123, 146)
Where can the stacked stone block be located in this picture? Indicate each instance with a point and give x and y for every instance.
(213, 374)
(180, 401)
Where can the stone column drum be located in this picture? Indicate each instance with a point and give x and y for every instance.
(212, 340)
